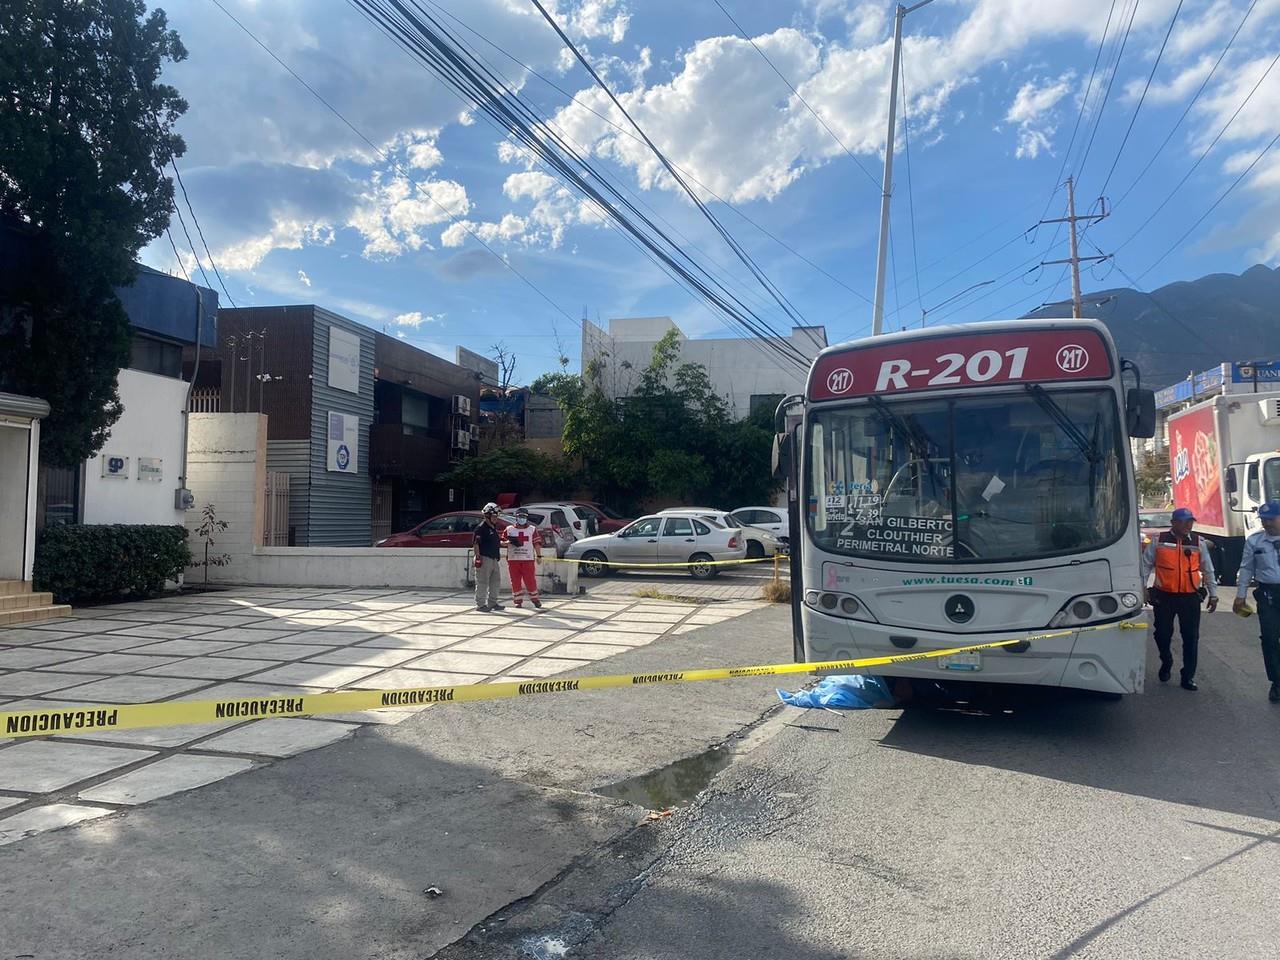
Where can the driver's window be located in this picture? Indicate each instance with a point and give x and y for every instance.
(644, 528)
(438, 525)
(467, 524)
(678, 527)
(1254, 485)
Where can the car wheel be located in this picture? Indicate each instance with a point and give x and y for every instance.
(755, 550)
(700, 567)
(593, 564)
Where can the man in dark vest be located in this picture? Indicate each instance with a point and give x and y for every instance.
(1183, 579)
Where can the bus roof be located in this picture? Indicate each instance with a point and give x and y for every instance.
(967, 355)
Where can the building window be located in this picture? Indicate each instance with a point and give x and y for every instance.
(156, 356)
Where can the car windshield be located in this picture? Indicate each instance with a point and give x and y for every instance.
(1162, 519)
(991, 478)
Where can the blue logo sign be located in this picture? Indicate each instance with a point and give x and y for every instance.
(115, 464)
(344, 456)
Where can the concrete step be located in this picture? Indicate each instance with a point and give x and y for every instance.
(10, 588)
(21, 601)
(29, 615)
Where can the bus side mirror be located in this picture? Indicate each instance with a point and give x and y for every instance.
(1140, 412)
(781, 456)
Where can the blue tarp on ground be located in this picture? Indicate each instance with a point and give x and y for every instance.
(841, 693)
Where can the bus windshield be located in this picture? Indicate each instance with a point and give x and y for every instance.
(992, 478)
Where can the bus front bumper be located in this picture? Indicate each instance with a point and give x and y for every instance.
(1107, 659)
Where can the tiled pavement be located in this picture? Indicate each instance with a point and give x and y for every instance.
(254, 641)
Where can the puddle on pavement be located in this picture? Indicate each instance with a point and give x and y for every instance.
(674, 785)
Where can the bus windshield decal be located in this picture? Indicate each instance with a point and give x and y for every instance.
(961, 360)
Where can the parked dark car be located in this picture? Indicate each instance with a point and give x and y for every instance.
(607, 520)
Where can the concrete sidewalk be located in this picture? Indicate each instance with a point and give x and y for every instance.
(331, 854)
(257, 641)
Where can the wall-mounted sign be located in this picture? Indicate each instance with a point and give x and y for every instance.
(115, 467)
(344, 360)
(151, 469)
(344, 447)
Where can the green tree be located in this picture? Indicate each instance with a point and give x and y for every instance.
(86, 130)
(1152, 478)
(512, 470)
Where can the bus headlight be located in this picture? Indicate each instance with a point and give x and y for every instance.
(842, 605)
(1095, 608)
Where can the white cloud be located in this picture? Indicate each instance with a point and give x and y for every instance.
(394, 211)
(1179, 89)
(1033, 111)
(1197, 30)
(303, 278)
(416, 319)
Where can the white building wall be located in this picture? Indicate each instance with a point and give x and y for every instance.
(739, 368)
(226, 467)
(150, 427)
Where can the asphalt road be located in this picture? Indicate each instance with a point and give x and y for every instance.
(1074, 828)
(1143, 828)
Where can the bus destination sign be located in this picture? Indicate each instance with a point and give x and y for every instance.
(964, 360)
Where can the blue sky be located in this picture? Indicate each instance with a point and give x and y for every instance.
(297, 208)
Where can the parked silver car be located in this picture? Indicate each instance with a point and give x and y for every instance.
(660, 539)
(759, 541)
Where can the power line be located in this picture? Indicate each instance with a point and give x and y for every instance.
(1187, 110)
(706, 212)
(424, 37)
(183, 223)
(190, 209)
(573, 99)
(1084, 103)
(817, 116)
(1204, 153)
(389, 159)
(1142, 99)
(177, 256)
(1213, 206)
(1106, 94)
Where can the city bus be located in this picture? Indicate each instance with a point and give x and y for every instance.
(970, 483)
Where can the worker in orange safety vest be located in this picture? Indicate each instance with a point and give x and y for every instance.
(1184, 578)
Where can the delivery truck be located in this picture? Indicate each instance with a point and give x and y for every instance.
(1224, 461)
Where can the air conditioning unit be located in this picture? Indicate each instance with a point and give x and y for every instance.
(462, 439)
(461, 405)
(1270, 410)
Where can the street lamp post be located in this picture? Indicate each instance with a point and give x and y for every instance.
(882, 252)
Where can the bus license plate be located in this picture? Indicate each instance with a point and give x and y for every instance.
(961, 661)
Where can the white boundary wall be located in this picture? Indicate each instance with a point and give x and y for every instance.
(227, 467)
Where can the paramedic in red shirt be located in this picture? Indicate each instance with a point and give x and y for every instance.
(523, 550)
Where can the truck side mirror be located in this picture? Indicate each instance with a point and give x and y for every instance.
(1140, 412)
(1233, 485)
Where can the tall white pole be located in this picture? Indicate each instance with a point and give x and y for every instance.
(882, 252)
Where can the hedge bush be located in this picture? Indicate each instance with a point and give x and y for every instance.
(109, 561)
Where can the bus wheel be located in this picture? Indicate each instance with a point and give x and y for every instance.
(593, 564)
(755, 551)
(700, 567)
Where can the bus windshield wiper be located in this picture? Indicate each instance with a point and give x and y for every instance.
(919, 440)
(1059, 416)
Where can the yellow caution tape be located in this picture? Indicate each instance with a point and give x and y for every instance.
(674, 563)
(90, 719)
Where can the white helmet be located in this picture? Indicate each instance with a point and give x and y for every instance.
(489, 508)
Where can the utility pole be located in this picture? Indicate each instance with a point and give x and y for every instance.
(886, 191)
(1075, 259)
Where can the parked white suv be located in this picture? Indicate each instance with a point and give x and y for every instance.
(773, 519)
(760, 542)
(571, 517)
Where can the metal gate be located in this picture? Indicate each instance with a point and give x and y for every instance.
(382, 512)
(275, 521)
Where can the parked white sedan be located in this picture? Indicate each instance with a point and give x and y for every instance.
(660, 539)
(773, 519)
(760, 542)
